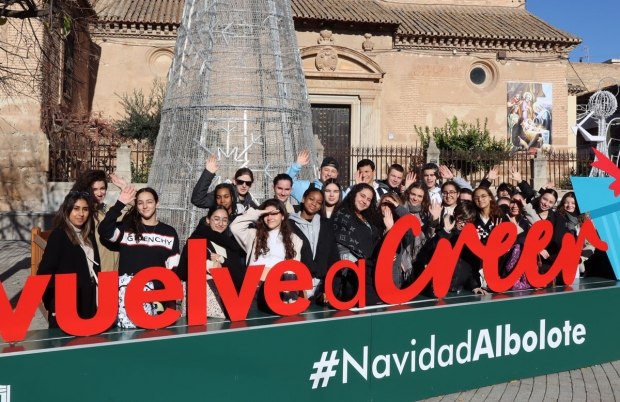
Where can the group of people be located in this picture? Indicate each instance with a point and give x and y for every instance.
(316, 222)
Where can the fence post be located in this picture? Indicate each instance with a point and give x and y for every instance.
(123, 162)
(539, 170)
(432, 152)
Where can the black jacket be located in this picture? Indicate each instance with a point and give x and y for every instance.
(326, 251)
(235, 257)
(389, 188)
(63, 257)
(202, 198)
(462, 278)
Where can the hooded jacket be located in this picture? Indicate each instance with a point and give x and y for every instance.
(321, 239)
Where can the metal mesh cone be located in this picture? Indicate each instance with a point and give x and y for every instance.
(237, 90)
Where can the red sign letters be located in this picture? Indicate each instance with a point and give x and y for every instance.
(14, 323)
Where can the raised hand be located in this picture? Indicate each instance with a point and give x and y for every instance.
(303, 158)
(118, 181)
(448, 222)
(445, 172)
(212, 165)
(410, 179)
(548, 185)
(358, 177)
(388, 218)
(128, 194)
(515, 174)
(435, 209)
(493, 173)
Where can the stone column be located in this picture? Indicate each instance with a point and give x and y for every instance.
(432, 152)
(123, 162)
(539, 170)
(320, 149)
(370, 122)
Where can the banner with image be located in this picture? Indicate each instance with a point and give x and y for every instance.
(529, 115)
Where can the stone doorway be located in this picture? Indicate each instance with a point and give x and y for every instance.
(332, 124)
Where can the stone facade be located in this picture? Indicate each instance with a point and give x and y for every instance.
(392, 73)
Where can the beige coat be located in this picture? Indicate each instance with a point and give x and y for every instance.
(109, 258)
(246, 236)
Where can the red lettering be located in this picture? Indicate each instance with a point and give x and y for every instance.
(273, 287)
(14, 325)
(197, 282)
(499, 243)
(237, 305)
(360, 271)
(135, 297)
(66, 305)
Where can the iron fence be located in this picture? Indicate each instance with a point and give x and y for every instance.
(410, 157)
(70, 154)
(141, 159)
(565, 163)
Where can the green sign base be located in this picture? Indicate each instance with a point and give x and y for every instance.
(393, 353)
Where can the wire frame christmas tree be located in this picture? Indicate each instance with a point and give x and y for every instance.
(236, 89)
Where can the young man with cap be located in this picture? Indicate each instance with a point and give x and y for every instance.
(329, 170)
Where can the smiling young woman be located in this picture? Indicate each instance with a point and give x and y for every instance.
(143, 242)
(316, 231)
(72, 249)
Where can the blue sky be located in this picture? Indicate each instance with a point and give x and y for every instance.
(594, 21)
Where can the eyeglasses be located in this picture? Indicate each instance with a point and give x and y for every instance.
(449, 193)
(82, 193)
(219, 220)
(242, 182)
(461, 221)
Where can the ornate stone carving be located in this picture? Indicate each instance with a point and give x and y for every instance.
(326, 59)
(368, 45)
(326, 37)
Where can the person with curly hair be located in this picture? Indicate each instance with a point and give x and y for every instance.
(488, 215)
(358, 226)
(268, 238)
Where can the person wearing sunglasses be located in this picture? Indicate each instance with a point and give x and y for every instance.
(244, 178)
(94, 182)
(72, 249)
(267, 237)
(462, 278)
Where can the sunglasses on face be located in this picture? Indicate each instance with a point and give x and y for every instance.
(242, 182)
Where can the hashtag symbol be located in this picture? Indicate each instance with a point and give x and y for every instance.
(324, 369)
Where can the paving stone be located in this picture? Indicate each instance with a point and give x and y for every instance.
(566, 387)
(614, 379)
(604, 385)
(496, 392)
(592, 391)
(481, 394)
(525, 390)
(579, 388)
(512, 388)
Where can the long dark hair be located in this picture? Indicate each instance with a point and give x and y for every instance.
(372, 214)
(323, 211)
(262, 231)
(426, 199)
(84, 183)
(61, 219)
(133, 215)
(494, 211)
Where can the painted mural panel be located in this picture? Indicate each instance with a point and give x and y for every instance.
(529, 115)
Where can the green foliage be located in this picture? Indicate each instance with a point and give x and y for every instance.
(460, 136)
(142, 113)
(141, 174)
(465, 147)
(582, 170)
